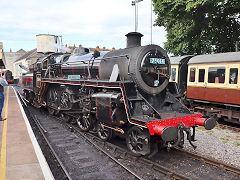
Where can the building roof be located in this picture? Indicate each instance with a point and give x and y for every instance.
(27, 54)
(21, 51)
(215, 58)
(35, 55)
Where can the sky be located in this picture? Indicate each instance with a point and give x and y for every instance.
(90, 23)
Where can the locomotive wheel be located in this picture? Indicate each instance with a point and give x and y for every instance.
(65, 118)
(65, 100)
(51, 101)
(84, 123)
(51, 111)
(182, 140)
(52, 98)
(104, 133)
(138, 141)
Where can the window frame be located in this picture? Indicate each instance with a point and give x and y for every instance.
(204, 79)
(220, 67)
(217, 85)
(176, 77)
(233, 86)
(45, 60)
(189, 74)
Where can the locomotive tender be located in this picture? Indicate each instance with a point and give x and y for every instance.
(125, 91)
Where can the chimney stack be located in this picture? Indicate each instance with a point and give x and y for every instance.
(133, 39)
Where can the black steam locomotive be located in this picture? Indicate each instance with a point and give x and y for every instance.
(125, 92)
(8, 76)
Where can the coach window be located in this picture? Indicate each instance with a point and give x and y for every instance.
(233, 76)
(173, 74)
(201, 75)
(192, 75)
(216, 75)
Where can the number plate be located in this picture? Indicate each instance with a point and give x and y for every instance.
(73, 76)
(157, 61)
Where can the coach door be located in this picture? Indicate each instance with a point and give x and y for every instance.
(201, 81)
(233, 84)
(216, 83)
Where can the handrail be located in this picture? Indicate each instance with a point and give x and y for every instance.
(83, 61)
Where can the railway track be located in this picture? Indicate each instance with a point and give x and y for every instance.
(153, 164)
(75, 154)
(127, 160)
(209, 160)
(54, 161)
(233, 128)
(68, 138)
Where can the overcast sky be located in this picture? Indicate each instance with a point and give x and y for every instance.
(86, 22)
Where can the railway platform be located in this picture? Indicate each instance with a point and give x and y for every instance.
(20, 155)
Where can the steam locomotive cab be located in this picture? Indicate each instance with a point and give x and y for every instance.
(125, 91)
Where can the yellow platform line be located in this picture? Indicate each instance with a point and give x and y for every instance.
(4, 141)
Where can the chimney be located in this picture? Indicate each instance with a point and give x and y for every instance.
(133, 39)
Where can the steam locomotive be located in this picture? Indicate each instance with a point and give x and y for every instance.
(8, 76)
(123, 92)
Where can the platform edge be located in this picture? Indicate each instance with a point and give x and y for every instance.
(41, 159)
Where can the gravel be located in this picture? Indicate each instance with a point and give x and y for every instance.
(220, 144)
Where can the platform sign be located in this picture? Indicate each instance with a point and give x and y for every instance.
(157, 61)
(74, 77)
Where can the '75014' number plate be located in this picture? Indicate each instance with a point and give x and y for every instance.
(157, 61)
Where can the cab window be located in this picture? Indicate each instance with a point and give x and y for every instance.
(216, 75)
(233, 76)
(201, 75)
(173, 74)
(192, 75)
(45, 64)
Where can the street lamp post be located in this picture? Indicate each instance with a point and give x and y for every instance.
(151, 20)
(135, 3)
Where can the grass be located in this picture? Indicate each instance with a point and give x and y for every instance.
(201, 128)
(209, 132)
(228, 136)
(218, 125)
(237, 144)
(225, 140)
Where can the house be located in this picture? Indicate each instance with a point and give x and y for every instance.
(27, 59)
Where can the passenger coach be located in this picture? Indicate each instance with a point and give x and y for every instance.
(213, 85)
(179, 70)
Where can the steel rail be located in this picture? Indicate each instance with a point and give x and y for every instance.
(207, 160)
(84, 134)
(224, 126)
(42, 131)
(163, 169)
(153, 165)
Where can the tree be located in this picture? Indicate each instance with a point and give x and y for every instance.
(199, 26)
